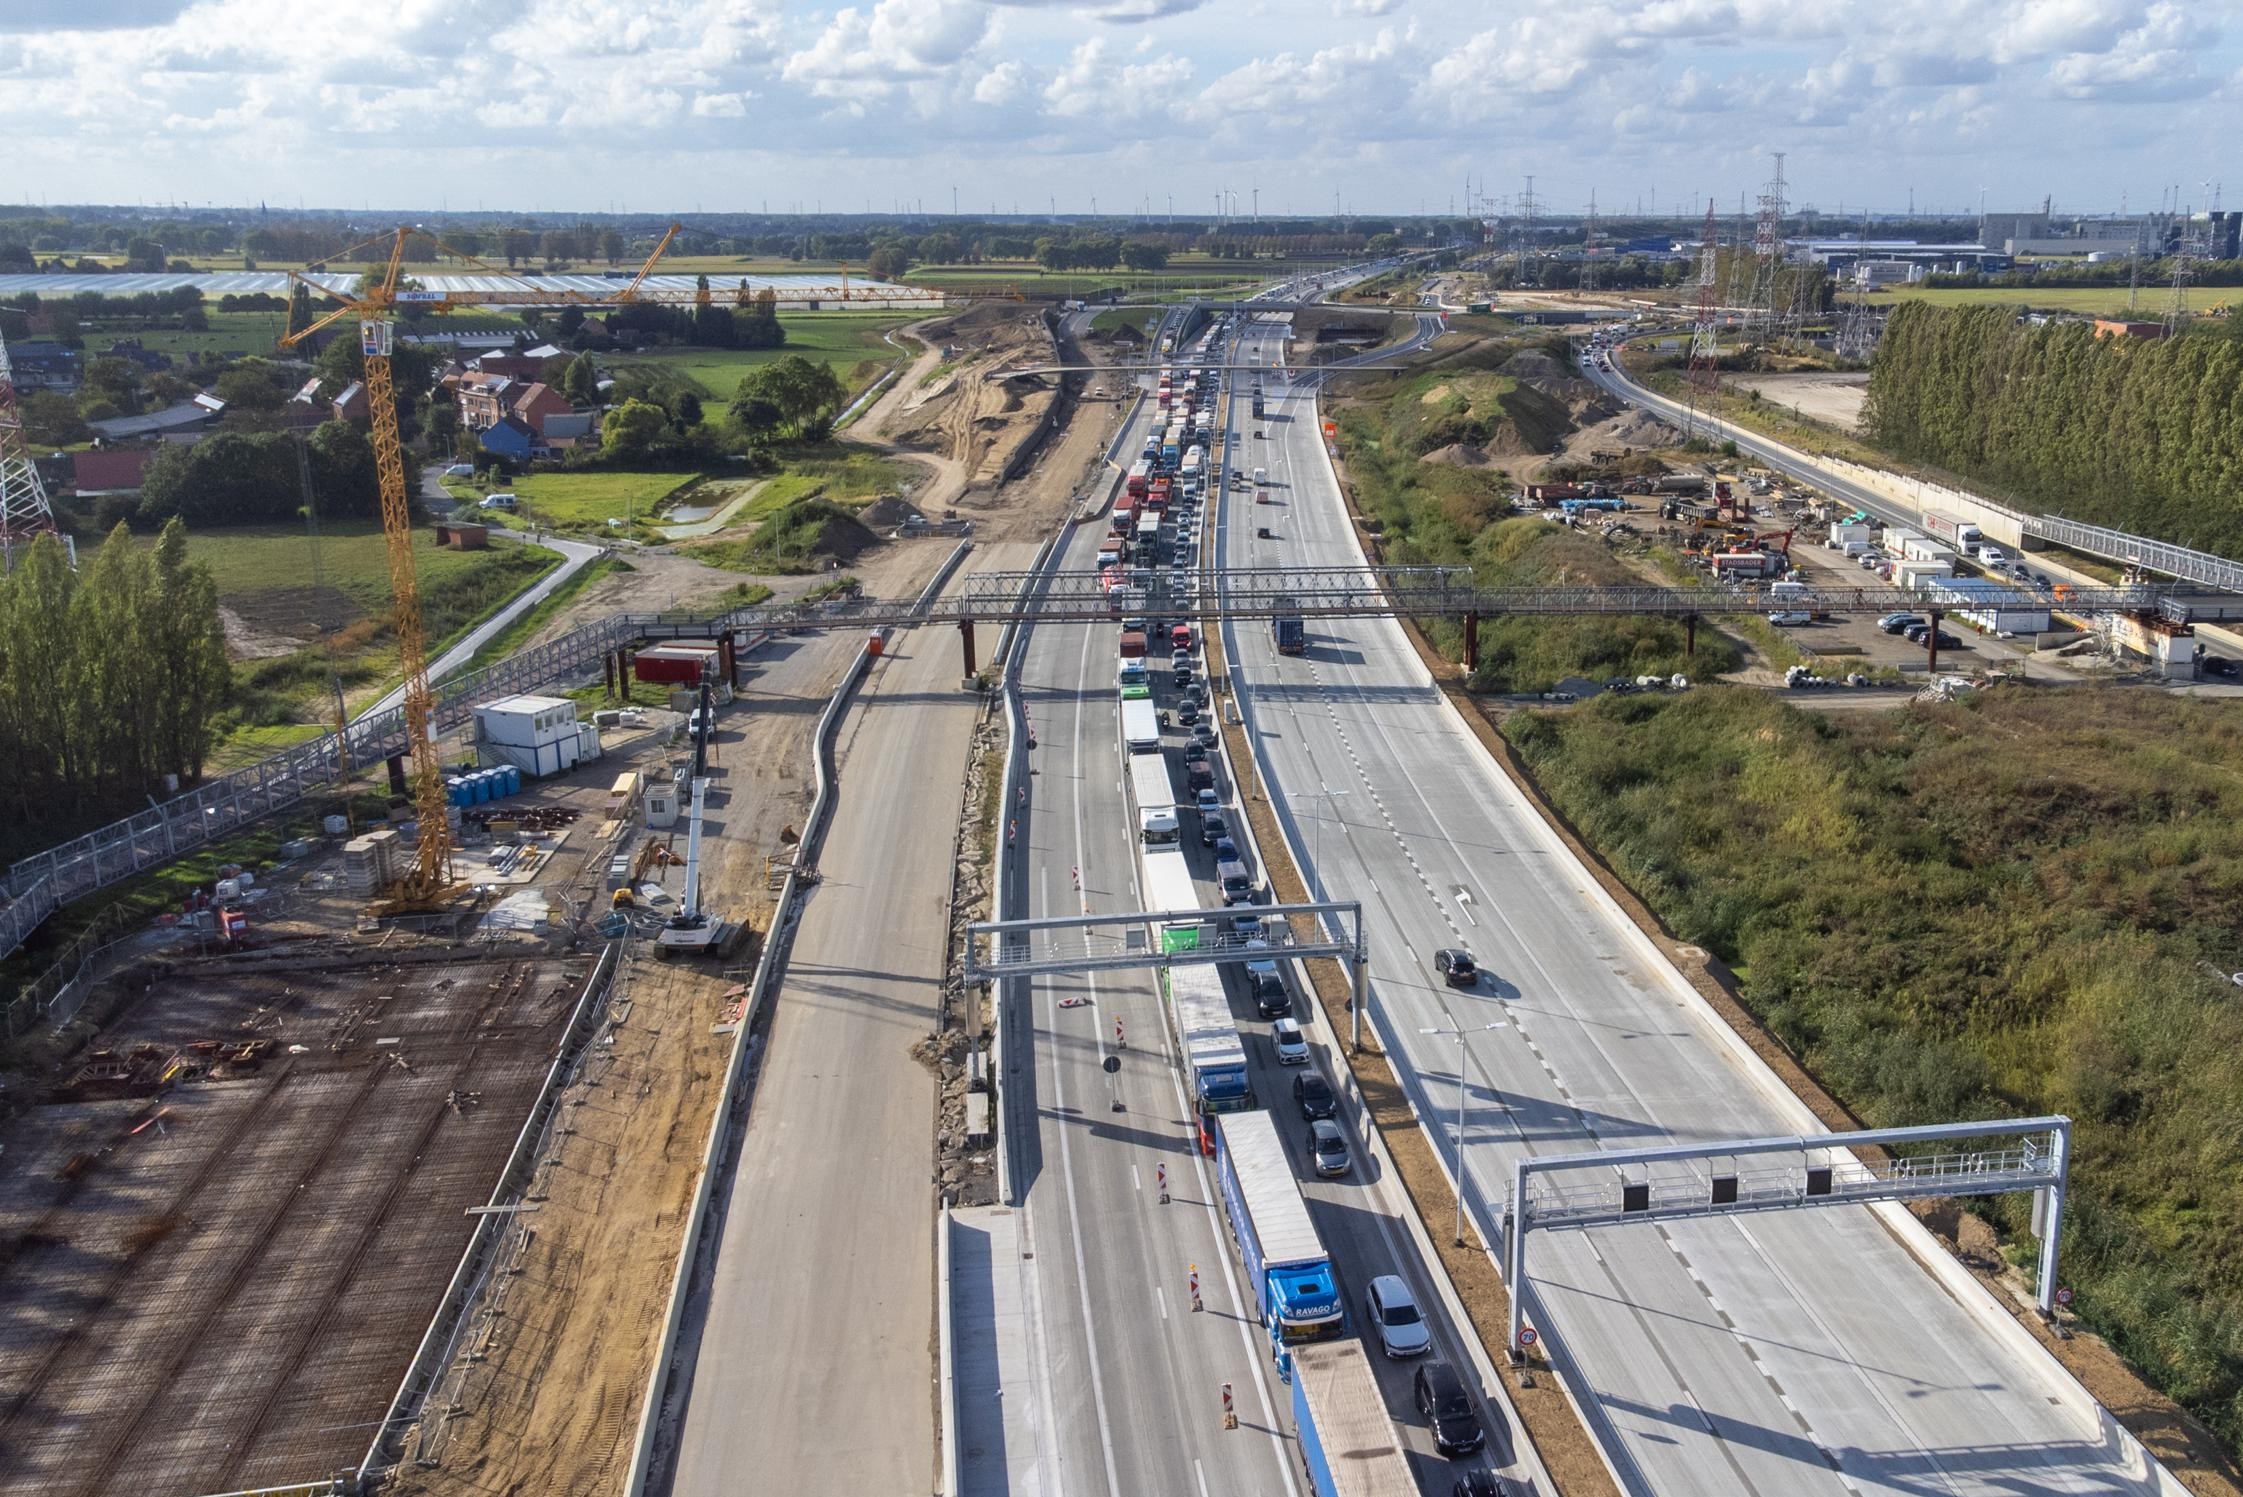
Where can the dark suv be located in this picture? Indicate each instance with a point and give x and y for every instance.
(1447, 1409)
(1457, 966)
(1314, 1094)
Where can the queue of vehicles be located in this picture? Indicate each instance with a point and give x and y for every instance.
(1348, 1444)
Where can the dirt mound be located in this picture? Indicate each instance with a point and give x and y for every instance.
(1460, 455)
(887, 512)
(808, 535)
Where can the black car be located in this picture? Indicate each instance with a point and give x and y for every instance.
(1314, 1094)
(1213, 829)
(1456, 965)
(2219, 665)
(1187, 714)
(1478, 1482)
(1915, 632)
(1895, 626)
(1447, 1409)
(1945, 641)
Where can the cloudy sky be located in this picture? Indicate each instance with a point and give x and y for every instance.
(1382, 105)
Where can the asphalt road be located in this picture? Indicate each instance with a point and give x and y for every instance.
(1131, 1396)
(1780, 1353)
(815, 1367)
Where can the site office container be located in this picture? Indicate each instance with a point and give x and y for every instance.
(677, 665)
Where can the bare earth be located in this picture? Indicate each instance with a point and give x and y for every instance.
(1834, 399)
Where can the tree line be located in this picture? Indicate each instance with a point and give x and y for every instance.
(111, 675)
(2143, 435)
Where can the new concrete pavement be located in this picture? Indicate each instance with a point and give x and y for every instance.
(1808, 1352)
(815, 1366)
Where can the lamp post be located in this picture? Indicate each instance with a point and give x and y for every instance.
(1462, 1057)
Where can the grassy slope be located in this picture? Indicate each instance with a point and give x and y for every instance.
(2021, 905)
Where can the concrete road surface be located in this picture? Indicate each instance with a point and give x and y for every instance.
(1783, 1353)
(815, 1367)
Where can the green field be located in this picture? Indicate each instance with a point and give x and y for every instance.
(843, 340)
(575, 501)
(2149, 304)
(241, 334)
(264, 579)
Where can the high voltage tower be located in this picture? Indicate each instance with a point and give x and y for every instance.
(1589, 246)
(1705, 335)
(1527, 206)
(25, 514)
(1857, 334)
(1763, 316)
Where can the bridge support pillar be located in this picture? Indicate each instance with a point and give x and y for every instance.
(1931, 641)
(1690, 635)
(966, 642)
(398, 784)
(1471, 641)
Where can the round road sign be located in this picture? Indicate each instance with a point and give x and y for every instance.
(1526, 1335)
(2064, 1296)
(1113, 1064)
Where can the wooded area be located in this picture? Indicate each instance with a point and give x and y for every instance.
(2141, 434)
(110, 676)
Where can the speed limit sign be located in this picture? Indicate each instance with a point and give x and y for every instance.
(1526, 1335)
(2064, 1296)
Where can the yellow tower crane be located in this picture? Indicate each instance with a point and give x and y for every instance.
(375, 304)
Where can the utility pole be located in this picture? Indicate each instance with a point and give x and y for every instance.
(1462, 1060)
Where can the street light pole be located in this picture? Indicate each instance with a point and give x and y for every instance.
(1462, 1057)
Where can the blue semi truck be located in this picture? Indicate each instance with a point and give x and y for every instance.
(1294, 1290)
(1348, 1444)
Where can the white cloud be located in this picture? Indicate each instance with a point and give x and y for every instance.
(872, 53)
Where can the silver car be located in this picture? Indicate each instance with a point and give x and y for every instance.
(1394, 1311)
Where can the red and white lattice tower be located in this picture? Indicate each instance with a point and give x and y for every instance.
(1705, 334)
(24, 511)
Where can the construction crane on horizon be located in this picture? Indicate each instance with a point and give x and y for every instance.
(375, 304)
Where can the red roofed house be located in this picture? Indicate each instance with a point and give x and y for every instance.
(114, 470)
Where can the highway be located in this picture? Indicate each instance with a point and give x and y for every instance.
(815, 1365)
(1130, 1395)
(1778, 1354)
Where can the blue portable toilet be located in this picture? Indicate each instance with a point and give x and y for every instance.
(513, 779)
(479, 786)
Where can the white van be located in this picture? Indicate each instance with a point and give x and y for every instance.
(498, 501)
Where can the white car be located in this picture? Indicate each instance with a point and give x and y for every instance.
(1394, 1311)
(1292, 1045)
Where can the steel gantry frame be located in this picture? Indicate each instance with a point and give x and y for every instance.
(1829, 1173)
(1029, 948)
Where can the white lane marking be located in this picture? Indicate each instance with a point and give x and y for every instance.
(1160, 1297)
(1074, 1214)
(1201, 1472)
(1136, 1181)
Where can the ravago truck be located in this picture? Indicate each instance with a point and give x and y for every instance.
(1347, 1442)
(1294, 1290)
